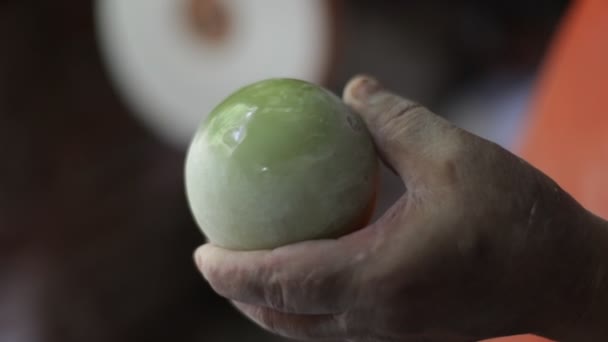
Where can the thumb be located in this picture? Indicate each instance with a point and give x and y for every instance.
(414, 142)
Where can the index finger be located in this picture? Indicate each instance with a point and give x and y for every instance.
(313, 277)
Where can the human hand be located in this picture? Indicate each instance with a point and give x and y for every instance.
(481, 245)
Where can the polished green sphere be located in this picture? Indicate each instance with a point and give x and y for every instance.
(277, 162)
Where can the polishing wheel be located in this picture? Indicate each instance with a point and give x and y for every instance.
(173, 61)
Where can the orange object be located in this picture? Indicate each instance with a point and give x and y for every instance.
(518, 338)
(567, 132)
(567, 135)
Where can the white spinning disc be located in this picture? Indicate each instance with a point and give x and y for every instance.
(172, 77)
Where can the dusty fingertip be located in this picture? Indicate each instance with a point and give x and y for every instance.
(200, 255)
(360, 87)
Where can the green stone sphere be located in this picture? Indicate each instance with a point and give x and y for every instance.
(277, 162)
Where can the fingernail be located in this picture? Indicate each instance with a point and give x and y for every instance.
(365, 87)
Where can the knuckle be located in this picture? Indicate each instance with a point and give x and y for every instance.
(278, 324)
(401, 113)
(268, 320)
(410, 126)
(349, 325)
(330, 290)
(275, 294)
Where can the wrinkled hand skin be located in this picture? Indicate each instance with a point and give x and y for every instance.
(481, 245)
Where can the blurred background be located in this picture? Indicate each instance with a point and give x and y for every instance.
(98, 101)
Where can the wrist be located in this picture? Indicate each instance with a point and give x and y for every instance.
(583, 311)
(593, 322)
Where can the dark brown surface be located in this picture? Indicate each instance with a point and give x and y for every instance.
(96, 239)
